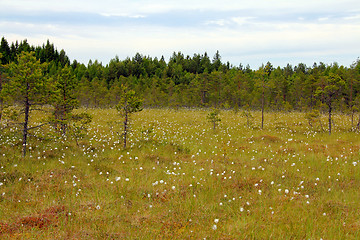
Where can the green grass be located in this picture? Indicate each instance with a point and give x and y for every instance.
(180, 179)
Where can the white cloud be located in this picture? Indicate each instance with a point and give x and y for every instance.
(323, 19)
(122, 15)
(353, 17)
(242, 20)
(220, 22)
(249, 32)
(159, 6)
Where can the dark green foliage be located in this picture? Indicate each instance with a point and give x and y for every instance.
(4, 51)
(199, 81)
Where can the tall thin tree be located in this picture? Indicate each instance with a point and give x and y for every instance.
(27, 85)
(129, 103)
(329, 90)
(64, 98)
(1, 84)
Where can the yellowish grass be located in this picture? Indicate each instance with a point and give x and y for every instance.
(181, 179)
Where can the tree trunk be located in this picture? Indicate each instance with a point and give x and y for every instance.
(330, 108)
(262, 109)
(125, 128)
(63, 117)
(351, 103)
(1, 100)
(63, 125)
(26, 121)
(352, 118)
(358, 124)
(1, 108)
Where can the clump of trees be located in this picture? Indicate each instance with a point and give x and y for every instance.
(190, 81)
(30, 87)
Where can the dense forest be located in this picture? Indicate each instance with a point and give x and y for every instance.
(193, 81)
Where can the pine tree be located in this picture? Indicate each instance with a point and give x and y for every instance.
(129, 103)
(64, 98)
(28, 86)
(331, 88)
(5, 51)
(1, 84)
(213, 117)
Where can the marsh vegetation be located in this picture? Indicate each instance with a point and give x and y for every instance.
(180, 178)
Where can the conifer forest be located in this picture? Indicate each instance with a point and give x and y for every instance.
(196, 81)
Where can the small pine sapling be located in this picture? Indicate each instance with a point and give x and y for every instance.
(78, 125)
(313, 117)
(247, 114)
(64, 99)
(213, 117)
(129, 103)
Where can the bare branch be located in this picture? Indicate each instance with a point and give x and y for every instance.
(39, 125)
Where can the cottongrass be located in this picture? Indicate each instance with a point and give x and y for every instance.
(286, 181)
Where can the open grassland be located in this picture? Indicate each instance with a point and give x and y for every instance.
(181, 179)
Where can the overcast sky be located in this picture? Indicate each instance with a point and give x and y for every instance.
(248, 32)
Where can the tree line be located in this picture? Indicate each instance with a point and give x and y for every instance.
(191, 81)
